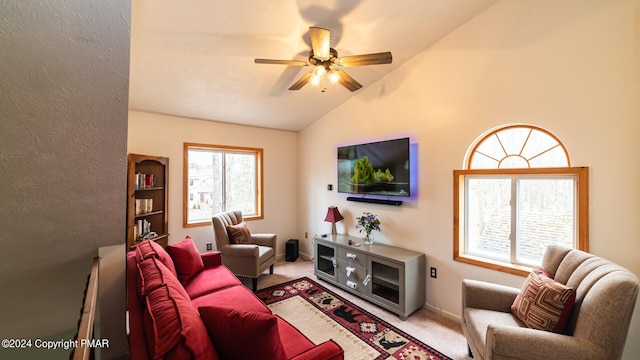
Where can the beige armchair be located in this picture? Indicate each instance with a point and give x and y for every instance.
(596, 329)
(245, 260)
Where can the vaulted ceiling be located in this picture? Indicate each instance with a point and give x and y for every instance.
(195, 58)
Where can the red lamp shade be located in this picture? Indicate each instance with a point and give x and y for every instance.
(333, 215)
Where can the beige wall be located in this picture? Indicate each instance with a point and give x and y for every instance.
(571, 67)
(160, 135)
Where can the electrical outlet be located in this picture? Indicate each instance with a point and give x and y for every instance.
(209, 246)
(434, 272)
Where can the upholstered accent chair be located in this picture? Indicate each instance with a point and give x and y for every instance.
(244, 259)
(596, 327)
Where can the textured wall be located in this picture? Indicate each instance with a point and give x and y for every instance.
(64, 73)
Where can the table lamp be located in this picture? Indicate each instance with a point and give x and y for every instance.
(333, 216)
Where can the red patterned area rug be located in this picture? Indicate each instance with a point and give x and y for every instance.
(322, 314)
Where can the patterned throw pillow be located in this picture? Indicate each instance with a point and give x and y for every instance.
(239, 234)
(544, 303)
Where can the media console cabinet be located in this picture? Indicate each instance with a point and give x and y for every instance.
(388, 276)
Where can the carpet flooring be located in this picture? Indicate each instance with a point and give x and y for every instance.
(321, 315)
(429, 327)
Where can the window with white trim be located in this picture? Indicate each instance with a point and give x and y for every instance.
(221, 178)
(516, 195)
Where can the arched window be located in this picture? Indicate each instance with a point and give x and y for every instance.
(517, 195)
(518, 146)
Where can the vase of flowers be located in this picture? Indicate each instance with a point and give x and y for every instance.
(366, 224)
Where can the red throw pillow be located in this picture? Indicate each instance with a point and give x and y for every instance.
(239, 234)
(186, 258)
(154, 274)
(150, 248)
(173, 327)
(238, 334)
(544, 303)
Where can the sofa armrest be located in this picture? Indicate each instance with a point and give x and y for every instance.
(240, 250)
(265, 240)
(508, 342)
(211, 259)
(327, 350)
(488, 296)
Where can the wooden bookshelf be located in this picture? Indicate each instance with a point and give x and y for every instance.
(147, 198)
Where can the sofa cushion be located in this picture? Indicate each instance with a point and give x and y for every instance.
(239, 234)
(544, 303)
(186, 259)
(209, 280)
(239, 334)
(149, 248)
(154, 274)
(239, 296)
(478, 320)
(173, 327)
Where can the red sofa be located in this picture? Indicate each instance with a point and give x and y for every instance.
(187, 305)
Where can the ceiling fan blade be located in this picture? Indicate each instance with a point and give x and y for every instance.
(302, 81)
(320, 42)
(368, 59)
(281, 62)
(347, 81)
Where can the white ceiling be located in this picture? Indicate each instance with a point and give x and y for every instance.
(194, 58)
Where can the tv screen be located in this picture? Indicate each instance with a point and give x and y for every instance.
(378, 168)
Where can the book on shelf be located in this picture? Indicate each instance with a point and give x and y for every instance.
(145, 180)
(143, 206)
(141, 228)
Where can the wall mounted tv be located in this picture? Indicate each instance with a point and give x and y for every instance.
(376, 168)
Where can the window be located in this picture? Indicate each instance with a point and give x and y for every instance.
(221, 178)
(517, 195)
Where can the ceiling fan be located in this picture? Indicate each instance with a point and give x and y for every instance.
(327, 64)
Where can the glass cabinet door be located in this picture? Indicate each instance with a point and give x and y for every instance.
(326, 259)
(385, 281)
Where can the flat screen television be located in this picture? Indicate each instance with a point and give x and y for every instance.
(376, 168)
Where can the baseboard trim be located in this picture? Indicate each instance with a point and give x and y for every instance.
(306, 256)
(444, 313)
(302, 255)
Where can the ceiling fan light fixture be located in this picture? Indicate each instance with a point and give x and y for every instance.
(315, 80)
(334, 77)
(326, 63)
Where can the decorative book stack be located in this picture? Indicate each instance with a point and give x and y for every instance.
(145, 180)
(141, 228)
(144, 206)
